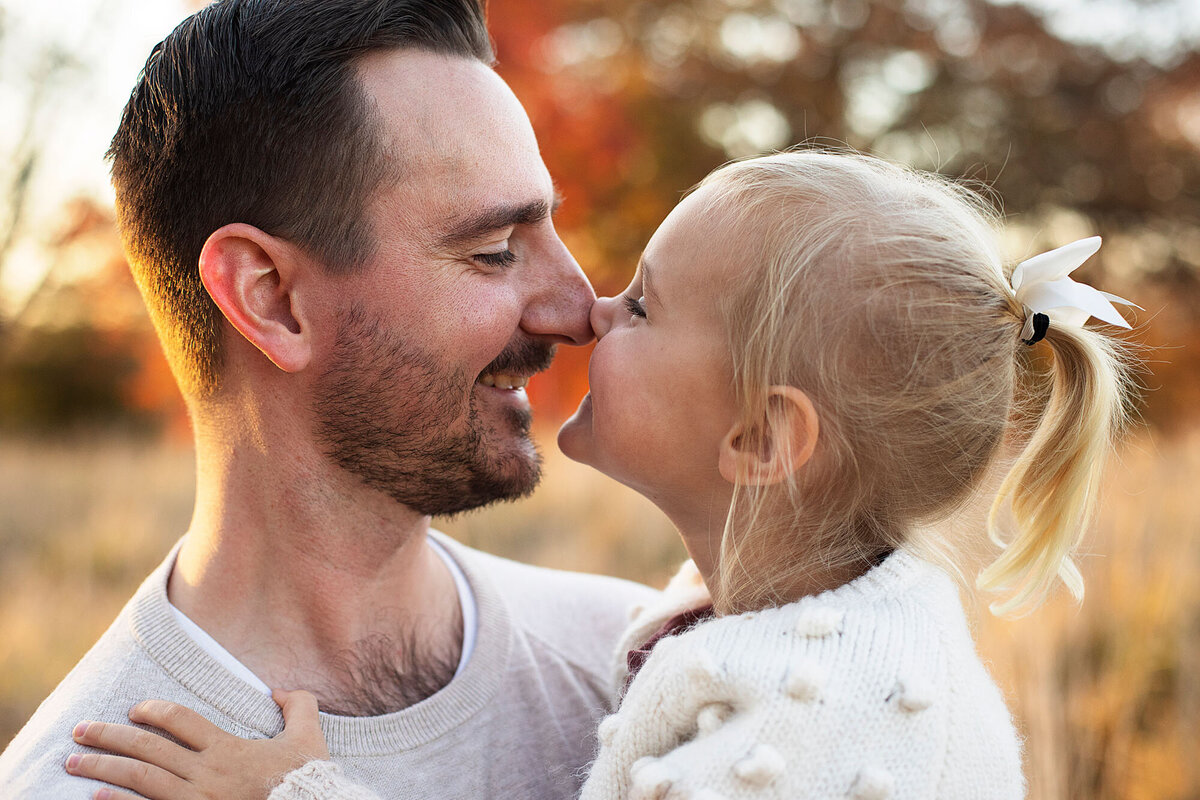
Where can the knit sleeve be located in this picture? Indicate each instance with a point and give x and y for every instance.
(320, 780)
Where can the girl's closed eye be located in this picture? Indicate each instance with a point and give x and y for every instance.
(636, 307)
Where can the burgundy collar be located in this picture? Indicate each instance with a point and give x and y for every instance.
(679, 623)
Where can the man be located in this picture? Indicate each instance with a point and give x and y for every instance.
(378, 276)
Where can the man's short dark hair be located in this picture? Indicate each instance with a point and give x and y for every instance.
(251, 111)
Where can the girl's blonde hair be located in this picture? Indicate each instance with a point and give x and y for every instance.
(880, 292)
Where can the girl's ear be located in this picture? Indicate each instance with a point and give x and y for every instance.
(769, 450)
(252, 277)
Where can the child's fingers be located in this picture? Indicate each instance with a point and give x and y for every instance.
(302, 728)
(299, 710)
(148, 780)
(181, 722)
(126, 740)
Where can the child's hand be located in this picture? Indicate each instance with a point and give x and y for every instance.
(218, 765)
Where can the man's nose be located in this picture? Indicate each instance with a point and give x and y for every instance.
(563, 301)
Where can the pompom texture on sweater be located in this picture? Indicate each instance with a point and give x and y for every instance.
(871, 691)
(320, 780)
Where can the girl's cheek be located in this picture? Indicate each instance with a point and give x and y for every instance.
(605, 367)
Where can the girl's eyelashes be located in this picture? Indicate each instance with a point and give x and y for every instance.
(635, 307)
(502, 258)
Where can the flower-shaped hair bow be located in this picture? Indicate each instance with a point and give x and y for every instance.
(1043, 286)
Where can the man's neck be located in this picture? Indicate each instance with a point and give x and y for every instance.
(315, 582)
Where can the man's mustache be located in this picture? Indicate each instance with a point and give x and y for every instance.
(523, 358)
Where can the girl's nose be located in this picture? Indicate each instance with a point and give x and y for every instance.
(602, 315)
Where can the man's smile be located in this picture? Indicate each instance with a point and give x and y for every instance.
(513, 368)
(502, 380)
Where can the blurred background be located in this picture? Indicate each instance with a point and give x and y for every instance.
(1082, 115)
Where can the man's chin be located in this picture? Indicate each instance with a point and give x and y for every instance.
(509, 476)
(520, 473)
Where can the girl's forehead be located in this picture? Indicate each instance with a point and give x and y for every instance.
(696, 249)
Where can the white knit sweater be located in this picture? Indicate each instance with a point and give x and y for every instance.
(871, 691)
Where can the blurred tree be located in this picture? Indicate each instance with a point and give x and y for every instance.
(84, 353)
(635, 101)
(76, 349)
(49, 68)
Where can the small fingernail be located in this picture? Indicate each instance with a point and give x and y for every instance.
(80, 730)
(73, 760)
(102, 794)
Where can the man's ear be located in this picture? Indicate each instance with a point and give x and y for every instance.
(768, 450)
(252, 277)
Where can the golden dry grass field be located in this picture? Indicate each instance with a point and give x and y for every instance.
(1107, 694)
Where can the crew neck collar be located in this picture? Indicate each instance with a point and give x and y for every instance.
(157, 630)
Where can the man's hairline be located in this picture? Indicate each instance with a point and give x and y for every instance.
(372, 115)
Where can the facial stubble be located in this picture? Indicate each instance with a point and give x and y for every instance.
(404, 423)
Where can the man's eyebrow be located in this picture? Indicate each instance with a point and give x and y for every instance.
(480, 223)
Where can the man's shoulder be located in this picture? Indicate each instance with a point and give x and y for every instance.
(556, 594)
(579, 591)
(114, 674)
(32, 764)
(579, 615)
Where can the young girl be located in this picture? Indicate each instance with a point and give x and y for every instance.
(818, 369)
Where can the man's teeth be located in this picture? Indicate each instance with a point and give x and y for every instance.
(501, 381)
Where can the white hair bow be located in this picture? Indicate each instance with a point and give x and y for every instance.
(1043, 286)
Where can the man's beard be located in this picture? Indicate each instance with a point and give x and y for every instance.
(393, 415)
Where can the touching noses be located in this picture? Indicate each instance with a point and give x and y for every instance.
(602, 316)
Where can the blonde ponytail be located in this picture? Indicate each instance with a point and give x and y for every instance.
(1049, 492)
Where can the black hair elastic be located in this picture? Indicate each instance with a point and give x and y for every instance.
(1041, 324)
